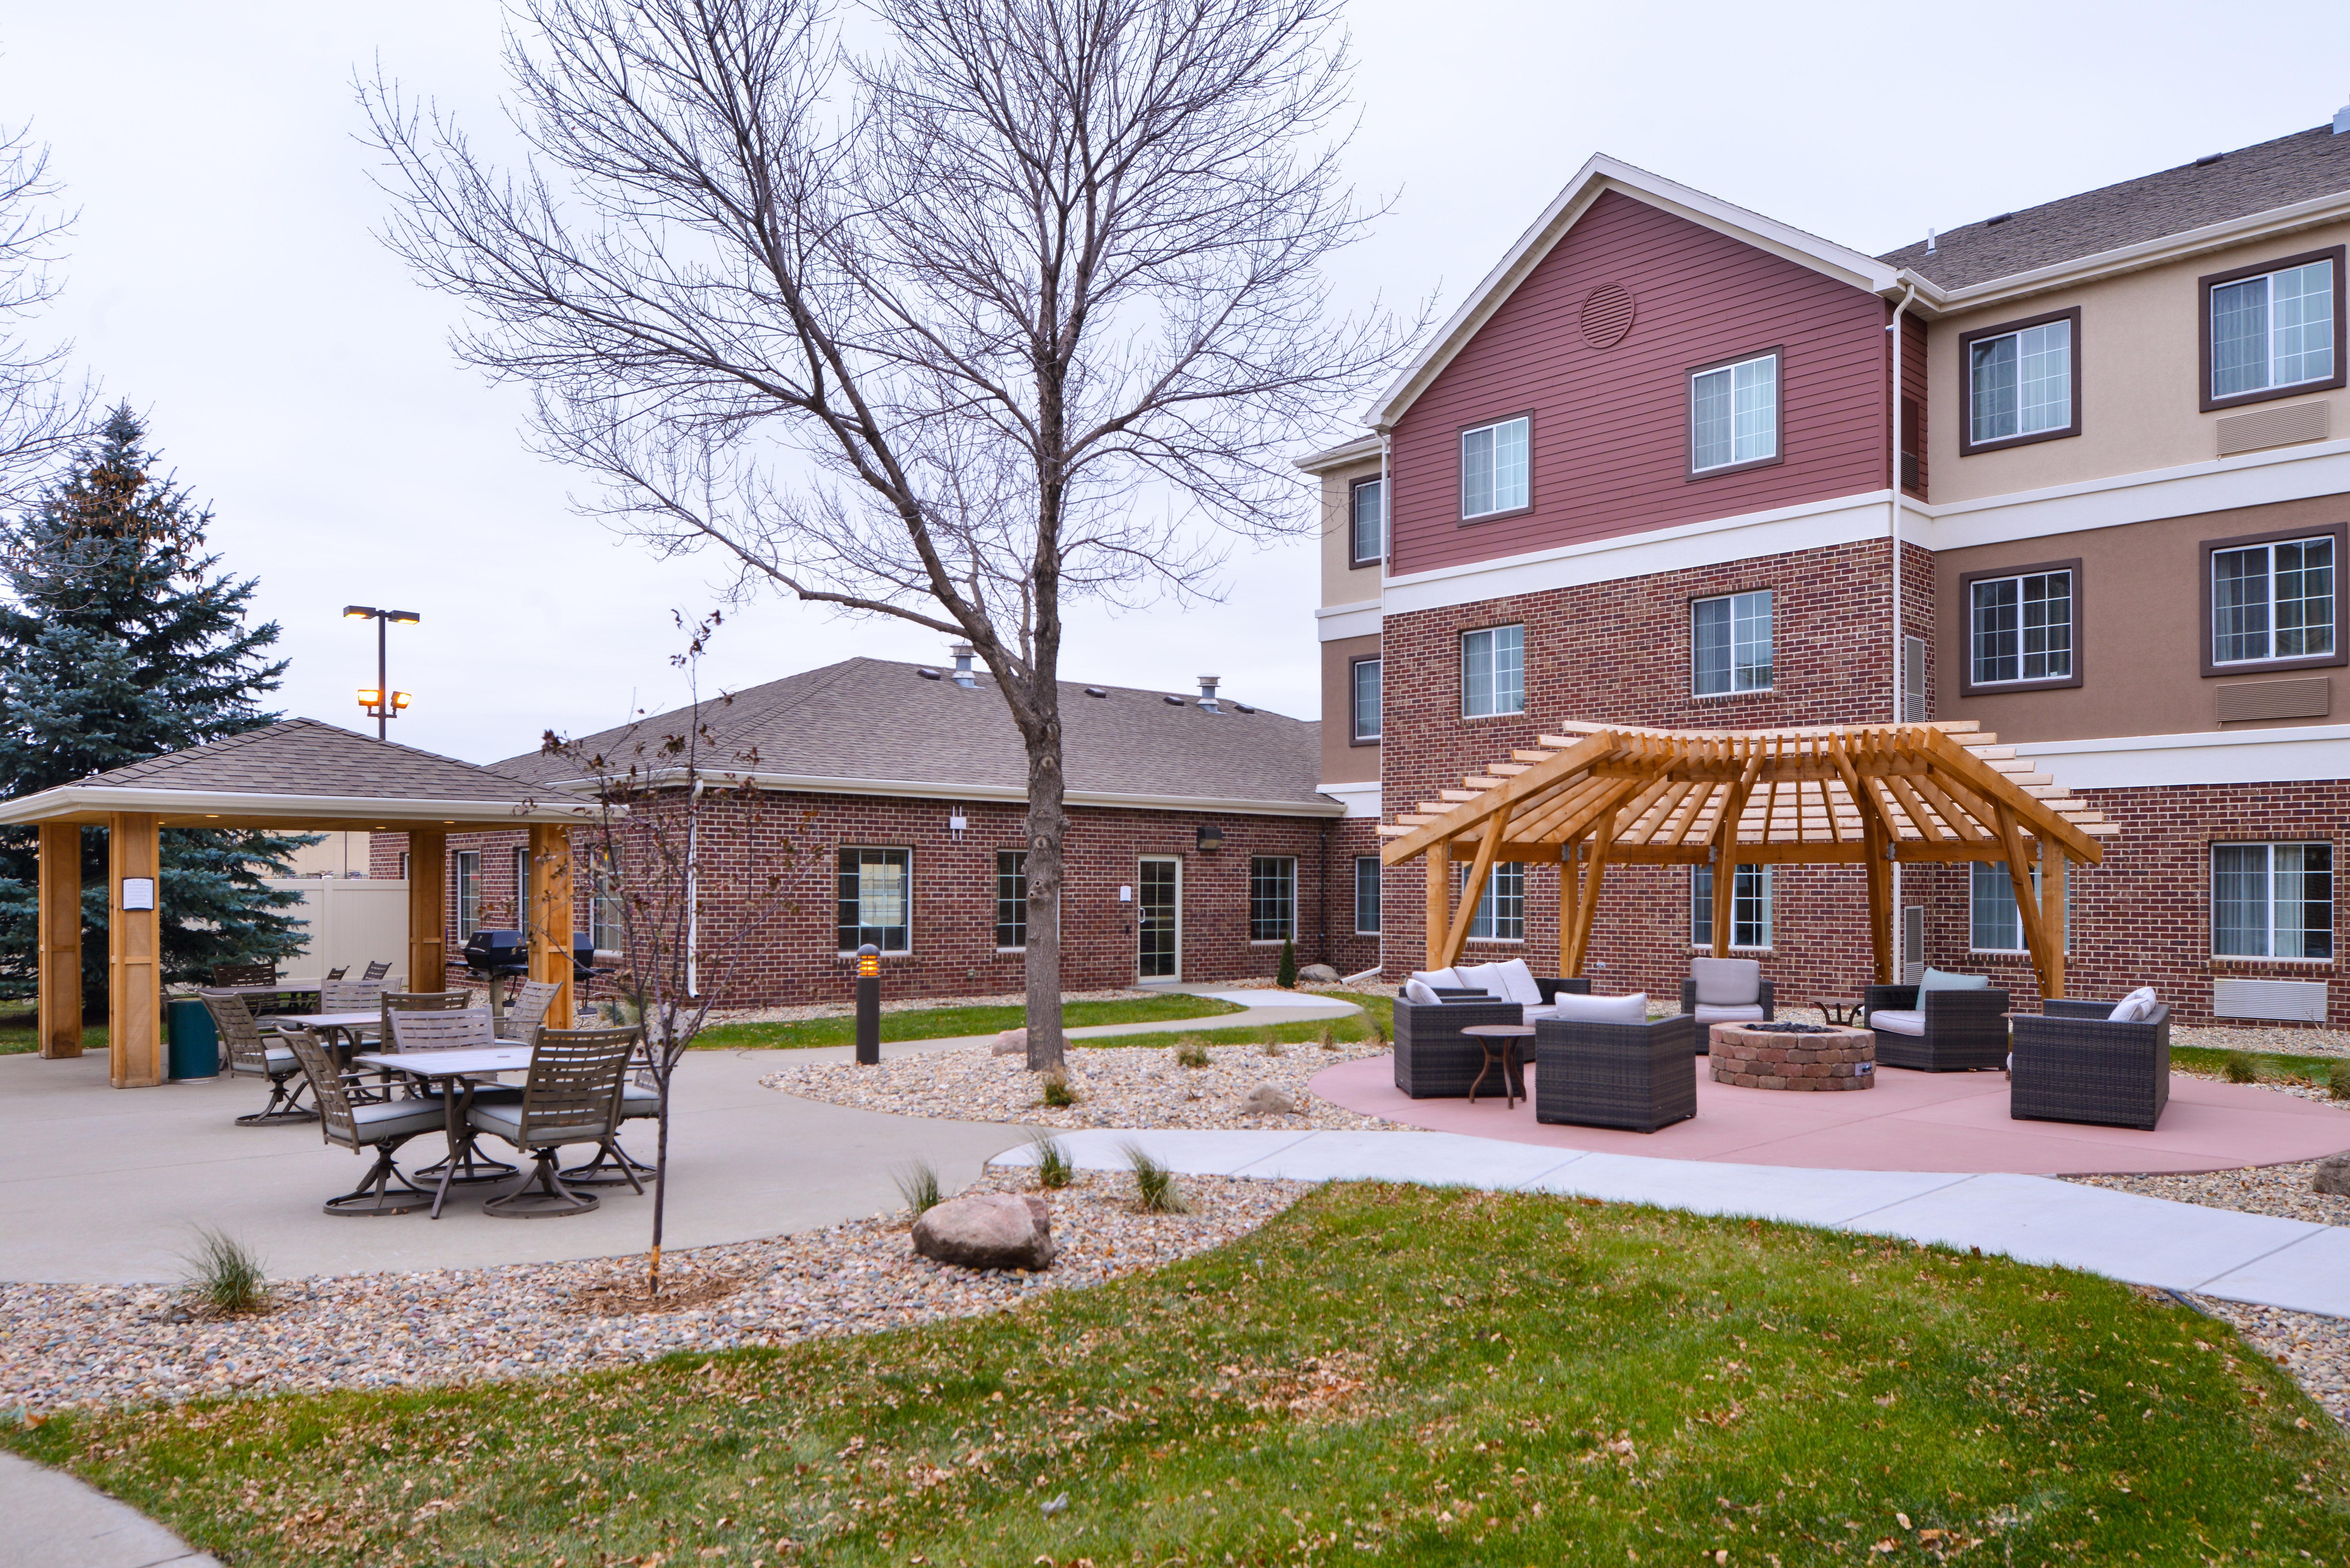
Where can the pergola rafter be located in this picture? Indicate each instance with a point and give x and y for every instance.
(1596, 794)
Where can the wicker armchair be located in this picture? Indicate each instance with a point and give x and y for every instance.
(1637, 1077)
(359, 1126)
(254, 1052)
(573, 1096)
(1966, 1031)
(1754, 1005)
(1434, 1061)
(2074, 1063)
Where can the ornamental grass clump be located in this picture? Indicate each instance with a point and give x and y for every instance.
(1154, 1184)
(1328, 1038)
(2240, 1069)
(1057, 1092)
(1272, 1045)
(1190, 1051)
(225, 1275)
(1054, 1168)
(2338, 1084)
(918, 1184)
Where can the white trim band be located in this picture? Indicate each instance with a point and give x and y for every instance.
(932, 789)
(1335, 623)
(1361, 798)
(2220, 757)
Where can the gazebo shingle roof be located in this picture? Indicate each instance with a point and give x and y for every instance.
(306, 757)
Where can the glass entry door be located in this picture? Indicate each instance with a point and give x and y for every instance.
(1159, 919)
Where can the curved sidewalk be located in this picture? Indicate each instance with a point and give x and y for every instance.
(57, 1521)
(2253, 1258)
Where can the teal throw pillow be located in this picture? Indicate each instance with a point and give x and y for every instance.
(1935, 980)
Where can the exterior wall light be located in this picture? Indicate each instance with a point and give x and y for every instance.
(1211, 839)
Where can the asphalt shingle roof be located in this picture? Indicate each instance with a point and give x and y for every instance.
(2297, 168)
(872, 719)
(305, 757)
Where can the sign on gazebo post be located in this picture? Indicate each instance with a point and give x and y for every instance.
(1869, 797)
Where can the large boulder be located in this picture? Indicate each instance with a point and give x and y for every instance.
(1264, 1100)
(1010, 1042)
(1319, 974)
(987, 1231)
(2331, 1175)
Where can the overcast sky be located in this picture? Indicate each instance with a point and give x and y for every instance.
(225, 280)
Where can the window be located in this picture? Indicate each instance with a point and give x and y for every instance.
(1492, 671)
(1010, 900)
(2273, 901)
(2269, 330)
(1272, 899)
(606, 922)
(1367, 895)
(2021, 382)
(1501, 914)
(1730, 642)
(1364, 676)
(469, 892)
(1993, 924)
(1367, 522)
(1734, 415)
(1750, 907)
(1493, 468)
(403, 865)
(876, 890)
(2272, 601)
(2019, 626)
(521, 909)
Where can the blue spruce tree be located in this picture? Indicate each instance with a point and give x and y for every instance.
(120, 640)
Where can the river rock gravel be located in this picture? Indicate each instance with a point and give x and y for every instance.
(1116, 1086)
(66, 1345)
(2314, 1350)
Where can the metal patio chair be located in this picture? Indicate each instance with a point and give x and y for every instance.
(256, 1052)
(226, 974)
(573, 1096)
(410, 1031)
(640, 1100)
(527, 1010)
(337, 973)
(376, 971)
(360, 1126)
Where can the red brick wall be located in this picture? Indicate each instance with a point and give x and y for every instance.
(795, 958)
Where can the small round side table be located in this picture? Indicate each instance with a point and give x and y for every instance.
(1499, 1042)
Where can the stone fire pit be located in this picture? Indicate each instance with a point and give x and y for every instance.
(1820, 1058)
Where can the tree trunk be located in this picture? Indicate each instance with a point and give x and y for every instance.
(1048, 828)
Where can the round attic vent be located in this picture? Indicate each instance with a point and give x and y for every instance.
(1607, 315)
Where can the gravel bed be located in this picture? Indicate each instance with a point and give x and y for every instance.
(2242, 1037)
(2278, 1190)
(66, 1345)
(1127, 1086)
(2315, 1350)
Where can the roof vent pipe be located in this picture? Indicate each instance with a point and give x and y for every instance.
(962, 672)
(2342, 120)
(1930, 242)
(1208, 691)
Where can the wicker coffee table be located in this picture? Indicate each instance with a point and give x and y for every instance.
(1499, 1042)
(1807, 1056)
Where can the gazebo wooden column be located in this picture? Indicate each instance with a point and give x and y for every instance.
(549, 921)
(60, 939)
(428, 870)
(135, 947)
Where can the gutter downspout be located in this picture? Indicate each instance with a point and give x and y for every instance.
(1893, 531)
(693, 891)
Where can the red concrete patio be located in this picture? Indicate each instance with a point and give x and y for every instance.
(1910, 1121)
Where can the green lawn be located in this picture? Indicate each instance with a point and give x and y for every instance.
(1354, 1027)
(1385, 1373)
(944, 1023)
(19, 1033)
(2319, 1070)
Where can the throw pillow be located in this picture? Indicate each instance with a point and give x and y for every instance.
(1481, 977)
(1439, 979)
(2138, 1007)
(1518, 984)
(1415, 991)
(1936, 980)
(1632, 1009)
(1727, 982)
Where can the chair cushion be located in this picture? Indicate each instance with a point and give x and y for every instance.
(504, 1118)
(1632, 1009)
(1440, 979)
(1708, 1013)
(636, 1101)
(2136, 1008)
(1727, 982)
(1938, 980)
(398, 1118)
(1897, 1021)
(1418, 992)
(1484, 977)
(1518, 983)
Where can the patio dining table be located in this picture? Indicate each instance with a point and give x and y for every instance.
(453, 1073)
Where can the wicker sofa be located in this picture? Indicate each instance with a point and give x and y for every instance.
(2074, 1063)
(1433, 1060)
(1636, 1077)
(1966, 1031)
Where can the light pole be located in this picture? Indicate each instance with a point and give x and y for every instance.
(382, 704)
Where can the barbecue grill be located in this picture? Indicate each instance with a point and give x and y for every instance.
(504, 955)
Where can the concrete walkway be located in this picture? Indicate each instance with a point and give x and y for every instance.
(56, 1522)
(2145, 1241)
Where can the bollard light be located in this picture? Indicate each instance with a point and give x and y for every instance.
(869, 963)
(869, 1005)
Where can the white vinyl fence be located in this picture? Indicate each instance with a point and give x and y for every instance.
(353, 922)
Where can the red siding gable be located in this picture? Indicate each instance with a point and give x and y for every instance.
(1609, 444)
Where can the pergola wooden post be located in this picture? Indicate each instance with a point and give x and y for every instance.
(1863, 796)
(428, 908)
(60, 939)
(549, 921)
(134, 943)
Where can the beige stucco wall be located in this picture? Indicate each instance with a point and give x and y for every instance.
(1342, 582)
(2140, 362)
(2137, 629)
(1344, 762)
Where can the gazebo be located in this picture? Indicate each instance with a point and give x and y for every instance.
(1603, 794)
(297, 775)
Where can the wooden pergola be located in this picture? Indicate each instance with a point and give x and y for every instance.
(299, 775)
(1598, 796)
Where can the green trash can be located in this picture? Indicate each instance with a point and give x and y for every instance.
(194, 1042)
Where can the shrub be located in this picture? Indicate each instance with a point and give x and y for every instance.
(1190, 1051)
(2241, 1068)
(1154, 1184)
(1054, 1167)
(225, 1275)
(1057, 1092)
(1271, 1045)
(2338, 1085)
(1328, 1038)
(1286, 976)
(918, 1184)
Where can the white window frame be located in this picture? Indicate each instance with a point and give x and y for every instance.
(1355, 668)
(905, 893)
(606, 915)
(1750, 908)
(1729, 373)
(1506, 491)
(1994, 873)
(1489, 652)
(1371, 864)
(1019, 901)
(1356, 555)
(466, 880)
(1740, 605)
(2023, 630)
(1976, 351)
(1502, 907)
(1288, 914)
(2268, 895)
(2269, 575)
(522, 890)
(2269, 365)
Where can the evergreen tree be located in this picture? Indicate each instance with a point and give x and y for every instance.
(121, 640)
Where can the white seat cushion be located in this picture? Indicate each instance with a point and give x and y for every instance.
(1632, 1009)
(1727, 982)
(1440, 979)
(398, 1118)
(1903, 1021)
(636, 1101)
(1706, 1013)
(504, 1119)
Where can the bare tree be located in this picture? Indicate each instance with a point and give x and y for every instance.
(683, 932)
(1023, 305)
(43, 411)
